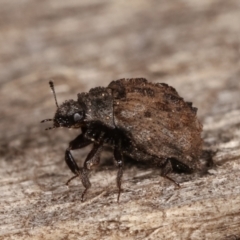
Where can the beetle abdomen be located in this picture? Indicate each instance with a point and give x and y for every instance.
(156, 119)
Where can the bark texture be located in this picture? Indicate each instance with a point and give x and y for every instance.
(193, 46)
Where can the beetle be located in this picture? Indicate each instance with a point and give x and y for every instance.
(142, 120)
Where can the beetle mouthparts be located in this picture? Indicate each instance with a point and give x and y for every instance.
(48, 120)
(49, 128)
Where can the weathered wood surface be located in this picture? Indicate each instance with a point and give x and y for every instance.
(191, 45)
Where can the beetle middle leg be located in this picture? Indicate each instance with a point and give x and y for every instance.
(92, 160)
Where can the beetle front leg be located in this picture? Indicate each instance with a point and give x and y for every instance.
(119, 161)
(92, 160)
(78, 142)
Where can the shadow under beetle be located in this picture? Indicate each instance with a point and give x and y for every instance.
(146, 121)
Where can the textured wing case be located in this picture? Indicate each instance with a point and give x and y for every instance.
(156, 119)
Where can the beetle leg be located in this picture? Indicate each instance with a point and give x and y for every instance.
(180, 167)
(119, 161)
(78, 142)
(92, 160)
(166, 169)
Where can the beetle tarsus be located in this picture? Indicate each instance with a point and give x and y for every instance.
(69, 180)
(119, 162)
(172, 180)
(85, 181)
(166, 169)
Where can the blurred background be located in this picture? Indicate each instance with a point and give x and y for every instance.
(191, 45)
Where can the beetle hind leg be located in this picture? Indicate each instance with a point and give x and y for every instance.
(118, 158)
(180, 167)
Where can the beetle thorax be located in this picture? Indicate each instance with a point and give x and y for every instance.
(98, 106)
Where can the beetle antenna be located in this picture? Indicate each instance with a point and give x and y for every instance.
(51, 84)
(46, 120)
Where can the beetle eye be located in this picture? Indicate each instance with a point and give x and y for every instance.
(78, 116)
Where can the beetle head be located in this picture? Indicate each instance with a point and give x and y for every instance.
(70, 114)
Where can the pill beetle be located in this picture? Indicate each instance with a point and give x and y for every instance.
(145, 121)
